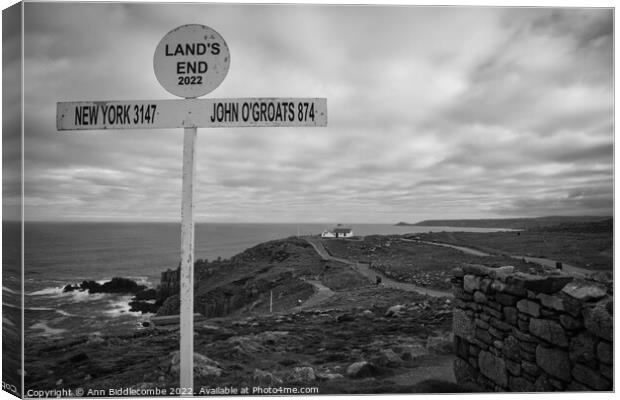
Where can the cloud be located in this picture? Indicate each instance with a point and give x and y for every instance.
(433, 112)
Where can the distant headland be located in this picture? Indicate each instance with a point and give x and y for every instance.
(510, 223)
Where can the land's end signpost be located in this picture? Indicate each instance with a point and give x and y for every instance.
(189, 62)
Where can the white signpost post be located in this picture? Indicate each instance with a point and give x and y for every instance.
(190, 61)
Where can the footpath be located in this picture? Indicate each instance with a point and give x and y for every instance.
(365, 270)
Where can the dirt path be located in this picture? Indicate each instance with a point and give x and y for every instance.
(370, 274)
(322, 293)
(466, 250)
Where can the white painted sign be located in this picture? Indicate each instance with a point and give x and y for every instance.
(201, 113)
(191, 60)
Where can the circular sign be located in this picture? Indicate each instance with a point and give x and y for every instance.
(191, 60)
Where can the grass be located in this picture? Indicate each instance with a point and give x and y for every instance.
(592, 251)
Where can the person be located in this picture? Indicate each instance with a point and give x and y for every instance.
(378, 280)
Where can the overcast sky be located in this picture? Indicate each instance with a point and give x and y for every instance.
(433, 113)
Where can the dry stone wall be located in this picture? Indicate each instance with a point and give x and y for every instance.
(530, 333)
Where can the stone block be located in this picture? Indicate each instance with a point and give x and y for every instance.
(496, 333)
(585, 291)
(480, 297)
(538, 283)
(569, 322)
(510, 315)
(530, 368)
(590, 377)
(498, 344)
(513, 367)
(502, 326)
(557, 384)
(458, 272)
(511, 348)
(606, 370)
(492, 312)
(485, 285)
(484, 336)
(476, 269)
(543, 384)
(548, 330)
(528, 356)
(474, 350)
(506, 299)
(471, 283)
(522, 336)
(480, 344)
(462, 324)
(528, 347)
(575, 386)
(529, 307)
(552, 302)
(494, 305)
(523, 325)
(571, 305)
(547, 313)
(473, 361)
(518, 384)
(497, 286)
(464, 373)
(554, 361)
(599, 321)
(481, 324)
(502, 273)
(474, 306)
(583, 349)
(605, 352)
(493, 368)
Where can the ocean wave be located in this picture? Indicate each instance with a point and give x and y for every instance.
(56, 310)
(6, 289)
(121, 307)
(47, 330)
(77, 295)
(49, 291)
(141, 280)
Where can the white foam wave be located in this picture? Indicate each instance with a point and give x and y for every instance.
(81, 296)
(6, 289)
(121, 307)
(140, 280)
(56, 310)
(49, 291)
(47, 330)
(76, 295)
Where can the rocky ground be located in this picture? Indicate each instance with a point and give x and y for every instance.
(347, 336)
(357, 342)
(404, 259)
(356, 338)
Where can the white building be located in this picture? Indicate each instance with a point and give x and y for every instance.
(338, 232)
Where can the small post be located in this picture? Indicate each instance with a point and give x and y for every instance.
(186, 361)
(271, 301)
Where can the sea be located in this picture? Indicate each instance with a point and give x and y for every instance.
(58, 254)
